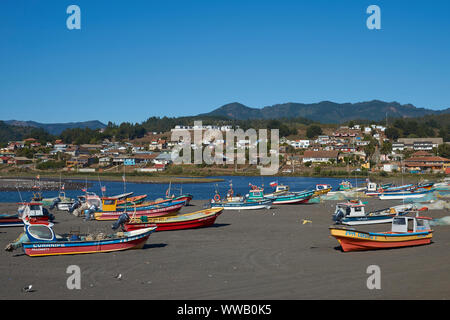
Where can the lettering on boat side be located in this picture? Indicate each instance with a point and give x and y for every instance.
(374, 281)
(74, 280)
(74, 20)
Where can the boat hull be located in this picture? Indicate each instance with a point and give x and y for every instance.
(403, 195)
(156, 212)
(352, 240)
(34, 249)
(168, 224)
(243, 206)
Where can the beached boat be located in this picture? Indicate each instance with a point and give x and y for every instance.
(405, 232)
(192, 220)
(286, 197)
(322, 189)
(60, 198)
(400, 195)
(353, 213)
(181, 197)
(32, 211)
(158, 210)
(242, 205)
(40, 240)
(131, 200)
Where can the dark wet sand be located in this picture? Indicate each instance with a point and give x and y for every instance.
(262, 254)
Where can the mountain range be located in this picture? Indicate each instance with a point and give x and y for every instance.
(325, 111)
(57, 128)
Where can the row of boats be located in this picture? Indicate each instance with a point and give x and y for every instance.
(138, 218)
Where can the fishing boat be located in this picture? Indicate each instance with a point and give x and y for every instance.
(280, 189)
(405, 232)
(244, 204)
(286, 197)
(400, 195)
(109, 204)
(121, 202)
(322, 189)
(61, 198)
(32, 211)
(181, 197)
(111, 213)
(353, 213)
(197, 219)
(40, 240)
(345, 185)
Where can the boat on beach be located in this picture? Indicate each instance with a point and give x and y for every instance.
(110, 212)
(31, 211)
(353, 213)
(281, 197)
(192, 220)
(405, 232)
(40, 240)
(400, 195)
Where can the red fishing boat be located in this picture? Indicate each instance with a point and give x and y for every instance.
(39, 239)
(31, 211)
(159, 210)
(192, 220)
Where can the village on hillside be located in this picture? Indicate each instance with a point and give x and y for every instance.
(362, 148)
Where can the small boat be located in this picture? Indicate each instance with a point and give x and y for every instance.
(181, 197)
(285, 197)
(121, 202)
(400, 195)
(353, 213)
(405, 232)
(61, 198)
(244, 204)
(345, 185)
(197, 219)
(280, 189)
(32, 211)
(40, 240)
(322, 189)
(158, 210)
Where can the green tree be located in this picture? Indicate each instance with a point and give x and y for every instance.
(313, 131)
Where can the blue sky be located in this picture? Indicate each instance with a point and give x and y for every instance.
(136, 59)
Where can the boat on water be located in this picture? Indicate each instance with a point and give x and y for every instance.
(31, 211)
(405, 232)
(192, 220)
(243, 204)
(109, 210)
(353, 213)
(400, 195)
(40, 240)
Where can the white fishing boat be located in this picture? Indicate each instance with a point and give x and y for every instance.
(401, 195)
(353, 213)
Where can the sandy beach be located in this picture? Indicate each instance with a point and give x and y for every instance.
(262, 254)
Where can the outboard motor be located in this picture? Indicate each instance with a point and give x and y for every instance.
(46, 213)
(74, 206)
(338, 215)
(89, 212)
(55, 202)
(123, 218)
